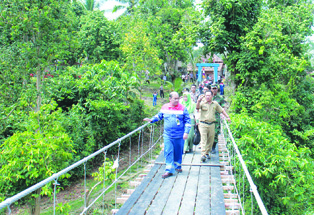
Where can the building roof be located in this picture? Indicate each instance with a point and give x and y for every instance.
(207, 59)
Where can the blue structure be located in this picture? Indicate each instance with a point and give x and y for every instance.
(201, 65)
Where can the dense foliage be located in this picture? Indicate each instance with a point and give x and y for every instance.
(283, 172)
(264, 46)
(69, 83)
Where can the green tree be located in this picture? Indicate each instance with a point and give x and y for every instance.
(228, 21)
(128, 5)
(90, 5)
(99, 37)
(39, 33)
(174, 30)
(274, 50)
(139, 54)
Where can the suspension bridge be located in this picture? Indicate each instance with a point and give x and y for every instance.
(222, 185)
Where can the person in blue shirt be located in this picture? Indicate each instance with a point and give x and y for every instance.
(177, 126)
(221, 86)
(155, 98)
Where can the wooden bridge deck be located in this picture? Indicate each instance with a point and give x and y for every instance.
(197, 190)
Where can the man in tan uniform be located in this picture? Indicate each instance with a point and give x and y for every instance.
(207, 109)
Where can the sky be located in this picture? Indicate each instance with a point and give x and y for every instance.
(108, 6)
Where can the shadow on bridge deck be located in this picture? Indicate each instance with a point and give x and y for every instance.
(197, 190)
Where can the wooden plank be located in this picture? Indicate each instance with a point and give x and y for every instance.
(214, 158)
(202, 205)
(190, 192)
(232, 212)
(162, 196)
(127, 206)
(161, 157)
(228, 168)
(224, 172)
(232, 206)
(173, 204)
(196, 164)
(148, 195)
(134, 183)
(121, 200)
(228, 180)
(228, 187)
(130, 191)
(217, 197)
(230, 196)
(231, 201)
(225, 163)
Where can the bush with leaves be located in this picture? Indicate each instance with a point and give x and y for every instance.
(283, 173)
(98, 106)
(292, 109)
(35, 154)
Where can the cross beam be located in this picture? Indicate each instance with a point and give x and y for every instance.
(201, 65)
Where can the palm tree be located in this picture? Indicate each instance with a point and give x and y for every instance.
(90, 5)
(129, 5)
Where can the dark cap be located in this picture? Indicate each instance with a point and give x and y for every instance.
(214, 86)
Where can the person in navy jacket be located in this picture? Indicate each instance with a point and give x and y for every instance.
(176, 129)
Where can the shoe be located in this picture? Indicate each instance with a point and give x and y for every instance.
(203, 159)
(166, 175)
(213, 151)
(207, 156)
(179, 170)
(190, 150)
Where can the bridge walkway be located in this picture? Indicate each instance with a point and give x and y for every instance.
(197, 190)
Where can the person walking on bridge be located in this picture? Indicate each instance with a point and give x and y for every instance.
(207, 109)
(177, 126)
(219, 99)
(190, 105)
(193, 93)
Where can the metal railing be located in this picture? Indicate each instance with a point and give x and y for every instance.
(244, 185)
(154, 132)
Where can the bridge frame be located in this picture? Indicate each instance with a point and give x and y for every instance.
(201, 65)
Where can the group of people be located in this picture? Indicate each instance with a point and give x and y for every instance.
(221, 87)
(188, 77)
(200, 109)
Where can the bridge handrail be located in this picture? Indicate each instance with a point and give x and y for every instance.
(247, 174)
(55, 176)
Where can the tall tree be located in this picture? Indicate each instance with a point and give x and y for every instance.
(128, 5)
(173, 30)
(99, 37)
(228, 21)
(40, 34)
(91, 5)
(139, 54)
(37, 34)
